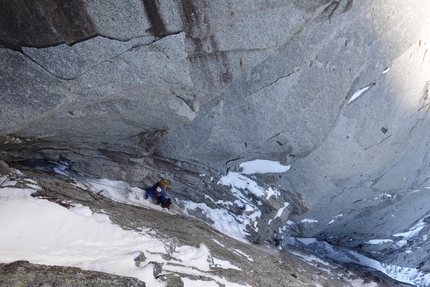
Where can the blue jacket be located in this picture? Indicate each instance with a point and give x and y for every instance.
(152, 192)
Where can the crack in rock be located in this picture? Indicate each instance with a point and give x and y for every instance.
(384, 139)
(69, 62)
(292, 72)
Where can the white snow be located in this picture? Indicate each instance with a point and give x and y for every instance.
(361, 283)
(336, 217)
(225, 264)
(308, 220)
(197, 283)
(379, 241)
(281, 210)
(413, 231)
(238, 251)
(263, 166)
(235, 179)
(44, 232)
(358, 93)
(272, 192)
(238, 181)
(223, 221)
(196, 257)
(404, 274)
(217, 242)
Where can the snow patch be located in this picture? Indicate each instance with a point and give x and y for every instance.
(225, 264)
(308, 221)
(404, 274)
(240, 252)
(378, 241)
(358, 93)
(281, 210)
(44, 232)
(198, 283)
(263, 166)
(237, 180)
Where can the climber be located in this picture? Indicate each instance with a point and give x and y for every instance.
(158, 194)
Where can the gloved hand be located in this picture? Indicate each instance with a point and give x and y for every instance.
(146, 197)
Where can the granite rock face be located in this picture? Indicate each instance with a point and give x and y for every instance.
(23, 273)
(339, 90)
(256, 265)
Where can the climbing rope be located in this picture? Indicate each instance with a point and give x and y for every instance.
(7, 177)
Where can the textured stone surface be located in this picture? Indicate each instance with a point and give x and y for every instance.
(29, 23)
(136, 89)
(134, 86)
(23, 273)
(268, 266)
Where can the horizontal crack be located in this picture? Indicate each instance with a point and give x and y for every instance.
(156, 39)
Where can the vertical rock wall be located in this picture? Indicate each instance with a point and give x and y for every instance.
(338, 89)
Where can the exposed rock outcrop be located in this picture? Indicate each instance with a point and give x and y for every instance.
(255, 265)
(23, 273)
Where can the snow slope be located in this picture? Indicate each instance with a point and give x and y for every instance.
(44, 232)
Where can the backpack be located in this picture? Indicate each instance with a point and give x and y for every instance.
(164, 183)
